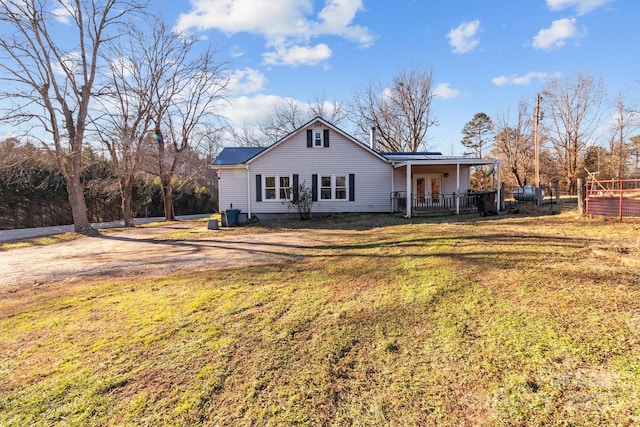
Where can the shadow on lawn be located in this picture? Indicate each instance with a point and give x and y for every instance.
(501, 249)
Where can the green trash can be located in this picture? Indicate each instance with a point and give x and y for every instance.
(232, 217)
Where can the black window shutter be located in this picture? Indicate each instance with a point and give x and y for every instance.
(309, 138)
(326, 138)
(258, 188)
(352, 187)
(295, 188)
(314, 187)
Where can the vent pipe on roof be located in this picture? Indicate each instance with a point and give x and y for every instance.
(373, 139)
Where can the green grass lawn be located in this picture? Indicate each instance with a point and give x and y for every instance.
(461, 321)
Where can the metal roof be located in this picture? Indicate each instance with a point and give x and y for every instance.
(236, 155)
(420, 155)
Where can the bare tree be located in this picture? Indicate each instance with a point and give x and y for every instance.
(334, 112)
(635, 153)
(50, 73)
(125, 115)
(514, 143)
(620, 146)
(574, 110)
(183, 98)
(286, 116)
(400, 113)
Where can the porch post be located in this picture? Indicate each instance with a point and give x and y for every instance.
(499, 189)
(409, 195)
(393, 187)
(458, 188)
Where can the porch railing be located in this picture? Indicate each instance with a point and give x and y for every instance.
(442, 203)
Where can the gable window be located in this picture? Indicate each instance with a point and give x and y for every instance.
(277, 187)
(318, 138)
(333, 187)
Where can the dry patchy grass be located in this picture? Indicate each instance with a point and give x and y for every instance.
(499, 321)
(39, 241)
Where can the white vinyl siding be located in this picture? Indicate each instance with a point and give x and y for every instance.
(232, 189)
(343, 157)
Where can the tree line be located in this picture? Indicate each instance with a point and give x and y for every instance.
(33, 192)
(81, 71)
(580, 130)
(582, 134)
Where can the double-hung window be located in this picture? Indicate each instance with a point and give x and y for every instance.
(333, 187)
(277, 187)
(317, 138)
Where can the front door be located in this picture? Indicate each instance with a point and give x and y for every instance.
(427, 186)
(434, 185)
(420, 185)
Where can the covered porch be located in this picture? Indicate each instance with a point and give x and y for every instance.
(426, 184)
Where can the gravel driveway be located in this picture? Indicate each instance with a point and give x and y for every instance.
(144, 251)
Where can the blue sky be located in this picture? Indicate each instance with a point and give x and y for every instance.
(485, 55)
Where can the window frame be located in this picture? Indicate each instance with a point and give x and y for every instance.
(333, 188)
(318, 142)
(278, 189)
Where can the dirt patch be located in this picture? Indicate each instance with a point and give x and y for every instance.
(146, 251)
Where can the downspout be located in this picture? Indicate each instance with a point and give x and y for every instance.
(409, 195)
(457, 188)
(248, 194)
(392, 184)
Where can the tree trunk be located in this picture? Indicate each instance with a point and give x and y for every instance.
(167, 197)
(79, 208)
(126, 190)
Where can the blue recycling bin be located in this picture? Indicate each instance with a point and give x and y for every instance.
(232, 217)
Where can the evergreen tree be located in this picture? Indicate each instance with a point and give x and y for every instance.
(477, 134)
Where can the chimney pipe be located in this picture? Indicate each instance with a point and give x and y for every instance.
(373, 138)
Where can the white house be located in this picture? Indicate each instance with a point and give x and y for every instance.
(345, 176)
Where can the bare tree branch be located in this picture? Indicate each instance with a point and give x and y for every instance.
(50, 74)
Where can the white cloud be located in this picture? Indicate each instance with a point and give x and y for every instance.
(522, 80)
(297, 55)
(237, 52)
(70, 61)
(63, 13)
(124, 65)
(287, 25)
(336, 17)
(444, 90)
(246, 109)
(581, 6)
(259, 17)
(464, 38)
(246, 81)
(557, 35)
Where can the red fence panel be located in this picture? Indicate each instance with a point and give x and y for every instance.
(618, 197)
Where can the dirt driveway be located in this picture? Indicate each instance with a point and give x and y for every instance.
(145, 251)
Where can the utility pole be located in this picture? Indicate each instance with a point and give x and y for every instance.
(537, 152)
